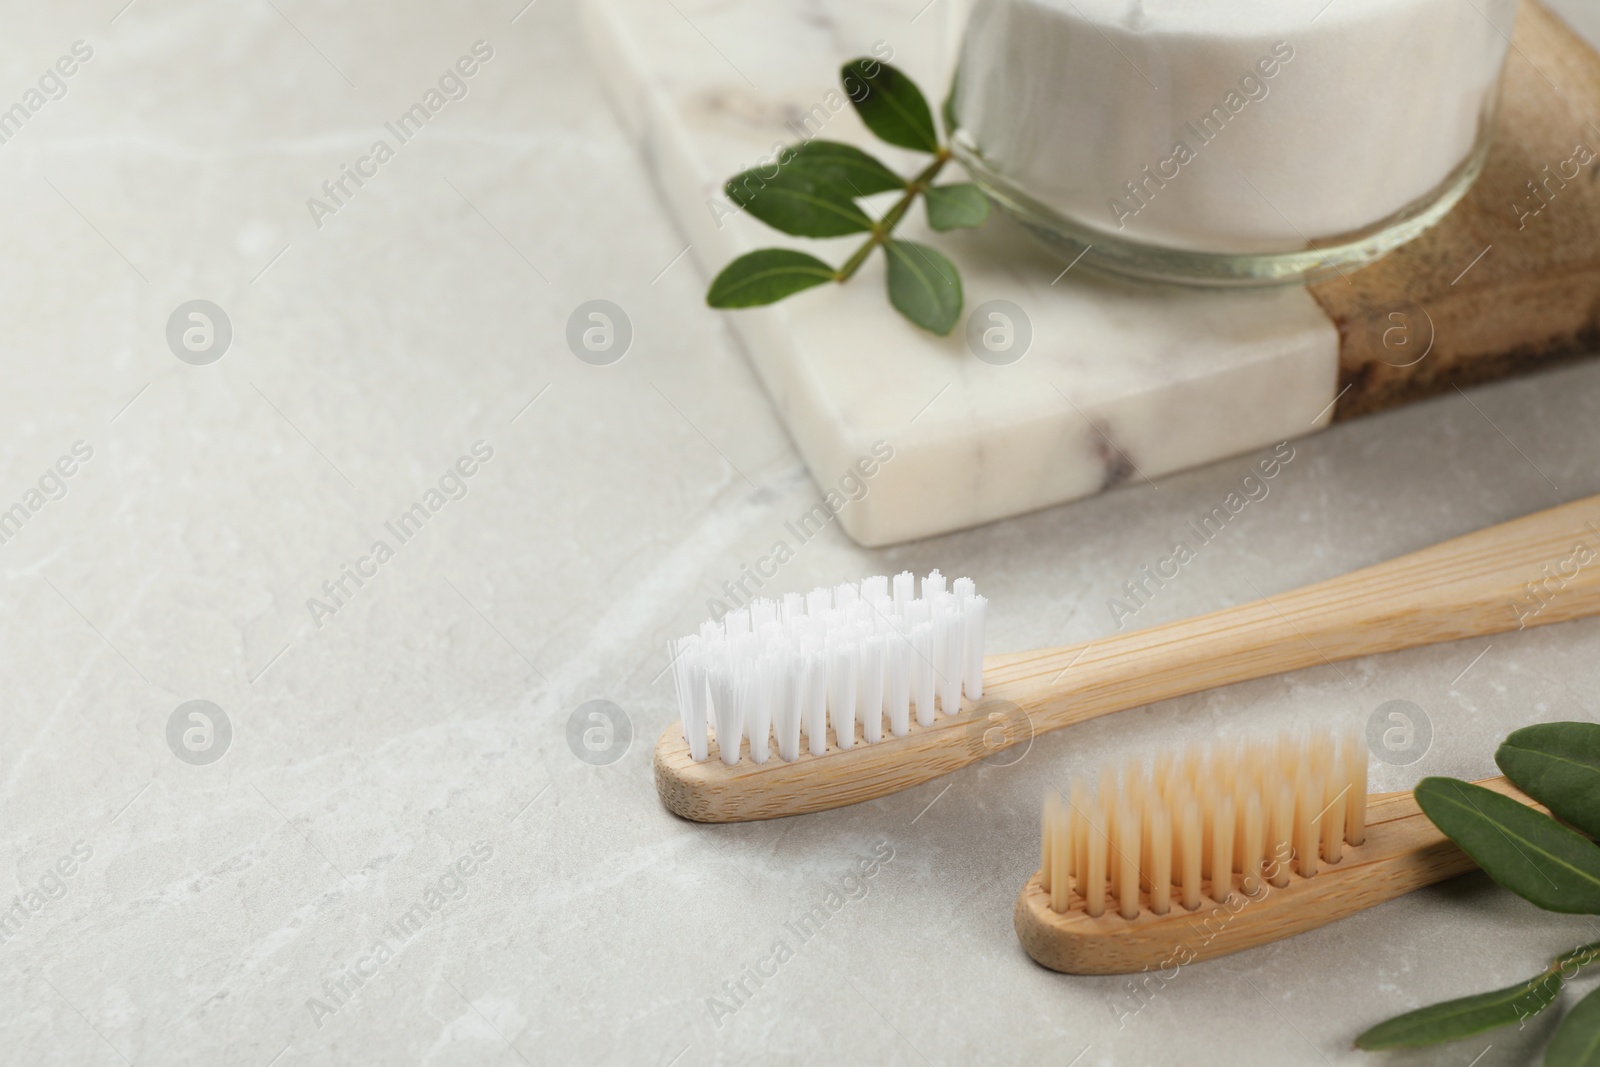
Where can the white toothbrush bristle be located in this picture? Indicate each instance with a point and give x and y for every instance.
(840, 661)
(842, 692)
(869, 689)
(1216, 822)
(905, 584)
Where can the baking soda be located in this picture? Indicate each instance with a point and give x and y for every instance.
(1238, 127)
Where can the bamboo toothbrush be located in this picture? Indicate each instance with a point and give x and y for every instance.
(1129, 874)
(842, 658)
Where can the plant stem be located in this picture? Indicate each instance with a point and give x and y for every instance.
(1581, 957)
(884, 227)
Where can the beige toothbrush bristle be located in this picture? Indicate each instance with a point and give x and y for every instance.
(1203, 823)
(1160, 860)
(1355, 812)
(1092, 884)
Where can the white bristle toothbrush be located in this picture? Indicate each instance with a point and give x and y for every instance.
(1209, 851)
(780, 671)
(842, 669)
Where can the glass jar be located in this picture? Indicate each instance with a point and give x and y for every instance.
(1228, 142)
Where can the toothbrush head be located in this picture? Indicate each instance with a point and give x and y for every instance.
(1155, 864)
(805, 675)
(811, 702)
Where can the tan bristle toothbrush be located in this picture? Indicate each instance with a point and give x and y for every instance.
(1129, 874)
(843, 668)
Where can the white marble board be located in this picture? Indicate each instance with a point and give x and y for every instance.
(1119, 383)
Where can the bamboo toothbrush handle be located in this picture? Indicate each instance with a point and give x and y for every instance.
(1531, 571)
(1403, 851)
(1539, 569)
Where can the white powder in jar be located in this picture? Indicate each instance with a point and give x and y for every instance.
(1229, 126)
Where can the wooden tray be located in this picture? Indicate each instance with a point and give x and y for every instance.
(1509, 281)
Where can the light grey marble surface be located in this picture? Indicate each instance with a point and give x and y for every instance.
(430, 712)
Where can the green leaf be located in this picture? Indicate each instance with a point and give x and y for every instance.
(1524, 850)
(765, 277)
(1579, 957)
(890, 104)
(846, 165)
(1558, 764)
(1464, 1017)
(924, 286)
(948, 110)
(800, 202)
(956, 207)
(1577, 1042)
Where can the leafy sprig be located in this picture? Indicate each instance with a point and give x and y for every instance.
(1540, 859)
(816, 190)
